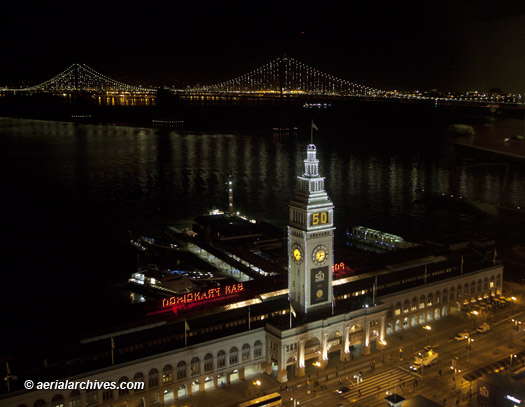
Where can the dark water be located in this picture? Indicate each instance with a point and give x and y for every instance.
(72, 192)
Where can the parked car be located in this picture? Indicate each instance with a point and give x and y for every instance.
(483, 328)
(462, 335)
(343, 389)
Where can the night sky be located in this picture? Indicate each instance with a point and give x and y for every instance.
(448, 44)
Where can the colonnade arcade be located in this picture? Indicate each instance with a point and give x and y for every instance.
(290, 351)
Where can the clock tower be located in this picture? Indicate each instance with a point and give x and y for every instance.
(310, 240)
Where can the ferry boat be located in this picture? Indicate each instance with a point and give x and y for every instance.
(376, 238)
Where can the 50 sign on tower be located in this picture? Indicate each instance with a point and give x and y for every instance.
(319, 218)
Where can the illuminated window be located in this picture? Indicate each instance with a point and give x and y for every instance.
(397, 309)
(195, 366)
(245, 352)
(57, 401)
(167, 374)
(74, 399)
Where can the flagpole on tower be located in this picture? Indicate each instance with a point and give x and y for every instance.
(186, 329)
(312, 127)
(292, 312)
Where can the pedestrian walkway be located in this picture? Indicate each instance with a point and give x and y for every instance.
(380, 383)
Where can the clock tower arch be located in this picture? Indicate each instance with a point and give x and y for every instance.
(310, 240)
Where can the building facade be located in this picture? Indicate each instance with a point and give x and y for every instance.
(284, 351)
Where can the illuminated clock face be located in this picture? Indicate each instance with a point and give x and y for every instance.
(297, 253)
(319, 254)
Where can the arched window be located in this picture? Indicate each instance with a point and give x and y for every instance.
(181, 370)
(123, 391)
(397, 309)
(257, 349)
(153, 378)
(234, 356)
(453, 294)
(221, 359)
(245, 352)
(139, 378)
(422, 302)
(406, 307)
(208, 362)
(57, 401)
(486, 284)
(460, 292)
(74, 399)
(479, 286)
(167, 374)
(498, 280)
(429, 300)
(414, 304)
(445, 296)
(472, 287)
(91, 397)
(195, 366)
(438, 297)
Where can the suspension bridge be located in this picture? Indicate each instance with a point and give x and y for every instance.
(281, 77)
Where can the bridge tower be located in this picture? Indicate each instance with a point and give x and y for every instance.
(310, 241)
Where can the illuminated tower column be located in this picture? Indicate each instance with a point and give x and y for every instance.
(310, 241)
(382, 328)
(324, 352)
(346, 343)
(282, 374)
(301, 370)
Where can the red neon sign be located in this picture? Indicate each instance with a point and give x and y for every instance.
(338, 266)
(202, 295)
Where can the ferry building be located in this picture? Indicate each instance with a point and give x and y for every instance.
(317, 318)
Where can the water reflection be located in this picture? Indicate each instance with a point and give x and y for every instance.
(120, 169)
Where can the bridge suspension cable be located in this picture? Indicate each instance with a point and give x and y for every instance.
(290, 76)
(80, 77)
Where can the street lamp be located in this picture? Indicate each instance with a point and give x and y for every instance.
(254, 386)
(382, 342)
(510, 365)
(427, 328)
(318, 365)
(469, 346)
(454, 367)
